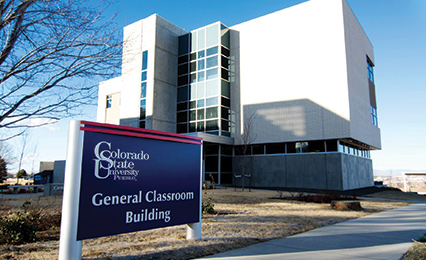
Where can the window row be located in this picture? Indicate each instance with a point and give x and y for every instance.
(204, 38)
(300, 147)
(184, 59)
(203, 113)
(203, 64)
(202, 90)
(205, 126)
(211, 163)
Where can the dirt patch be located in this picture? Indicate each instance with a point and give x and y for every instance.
(242, 219)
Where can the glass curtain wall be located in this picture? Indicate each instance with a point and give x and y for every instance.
(203, 95)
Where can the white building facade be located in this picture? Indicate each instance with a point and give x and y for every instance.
(287, 99)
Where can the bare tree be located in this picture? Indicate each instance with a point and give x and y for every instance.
(247, 138)
(23, 148)
(5, 157)
(51, 52)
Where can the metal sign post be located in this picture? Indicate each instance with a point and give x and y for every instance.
(69, 247)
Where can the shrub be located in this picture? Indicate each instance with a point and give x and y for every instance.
(22, 190)
(208, 207)
(422, 239)
(18, 227)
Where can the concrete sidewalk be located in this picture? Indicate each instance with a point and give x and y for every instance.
(386, 235)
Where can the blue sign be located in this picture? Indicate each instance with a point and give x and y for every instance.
(134, 181)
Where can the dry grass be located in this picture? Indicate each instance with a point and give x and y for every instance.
(416, 252)
(242, 218)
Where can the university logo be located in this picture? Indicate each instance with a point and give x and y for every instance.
(120, 165)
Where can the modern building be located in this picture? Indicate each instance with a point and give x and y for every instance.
(286, 100)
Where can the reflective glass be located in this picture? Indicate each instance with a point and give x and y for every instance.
(182, 94)
(226, 91)
(142, 109)
(193, 91)
(211, 74)
(225, 62)
(201, 54)
(212, 61)
(109, 101)
(201, 39)
(200, 103)
(193, 104)
(183, 44)
(181, 128)
(212, 101)
(193, 41)
(200, 114)
(193, 56)
(182, 106)
(226, 113)
(225, 51)
(212, 35)
(143, 89)
(201, 76)
(225, 125)
(144, 76)
(193, 66)
(212, 125)
(144, 60)
(183, 69)
(200, 90)
(212, 112)
(193, 78)
(224, 74)
(182, 117)
(212, 88)
(192, 127)
(192, 115)
(212, 50)
(183, 80)
(201, 64)
(226, 102)
(225, 36)
(200, 126)
(183, 59)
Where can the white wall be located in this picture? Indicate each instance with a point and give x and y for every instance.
(295, 60)
(358, 47)
(107, 87)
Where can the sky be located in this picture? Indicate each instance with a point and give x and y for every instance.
(396, 28)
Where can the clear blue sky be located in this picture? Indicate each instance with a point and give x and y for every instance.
(397, 29)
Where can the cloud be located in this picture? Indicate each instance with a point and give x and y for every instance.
(49, 124)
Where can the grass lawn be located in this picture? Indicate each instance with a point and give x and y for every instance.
(242, 219)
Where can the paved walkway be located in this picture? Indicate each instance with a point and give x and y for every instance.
(386, 235)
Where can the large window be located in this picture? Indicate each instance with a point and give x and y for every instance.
(203, 100)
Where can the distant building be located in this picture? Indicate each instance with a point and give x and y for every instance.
(302, 78)
(50, 172)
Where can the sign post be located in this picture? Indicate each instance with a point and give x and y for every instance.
(69, 247)
(122, 179)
